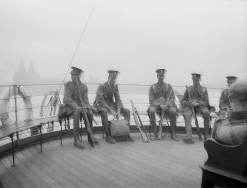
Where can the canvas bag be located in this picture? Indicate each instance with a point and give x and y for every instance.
(119, 128)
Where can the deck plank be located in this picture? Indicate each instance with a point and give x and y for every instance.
(48, 181)
(107, 166)
(144, 180)
(95, 172)
(158, 166)
(19, 176)
(9, 179)
(71, 165)
(2, 183)
(46, 169)
(162, 163)
(59, 169)
(33, 178)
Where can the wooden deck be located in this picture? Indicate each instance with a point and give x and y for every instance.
(164, 163)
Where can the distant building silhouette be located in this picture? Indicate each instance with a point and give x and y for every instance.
(26, 77)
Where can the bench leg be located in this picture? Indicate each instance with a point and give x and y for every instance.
(13, 151)
(205, 182)
(40, 129)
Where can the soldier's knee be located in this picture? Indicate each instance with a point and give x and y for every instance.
(90, 114)
(206, 113)
(172, 112)
(127, 111)
(103, 112)
(152, 111)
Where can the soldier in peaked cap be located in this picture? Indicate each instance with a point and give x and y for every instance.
(162, 101)
(73, 104)
(224, 100)
(106, 104)
(200, 102)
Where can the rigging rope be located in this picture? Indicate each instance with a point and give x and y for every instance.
(78, 45)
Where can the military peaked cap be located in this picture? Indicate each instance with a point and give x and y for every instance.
(113, 73)
(161, 71)
(76, 71)
(196, 76)
(231, 78)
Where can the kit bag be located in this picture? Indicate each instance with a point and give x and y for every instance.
(119, 129)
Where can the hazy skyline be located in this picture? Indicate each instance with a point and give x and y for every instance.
(135, 36)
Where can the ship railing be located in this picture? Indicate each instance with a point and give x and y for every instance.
(25, 120)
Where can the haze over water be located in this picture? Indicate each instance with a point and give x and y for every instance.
(134, 36)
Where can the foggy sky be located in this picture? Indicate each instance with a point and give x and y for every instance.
(134, 36)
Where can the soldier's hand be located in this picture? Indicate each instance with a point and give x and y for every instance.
(189, 103)
(164, 107)
(80, 109)
(113, 113)
(195, 104)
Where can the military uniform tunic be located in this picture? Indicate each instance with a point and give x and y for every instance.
(224, 100)
(71, 95)
(198, 94)
(72, 101)
(108, 98)
(158, 95)
(231, 130)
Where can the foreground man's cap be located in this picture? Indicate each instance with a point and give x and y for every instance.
(231, 78)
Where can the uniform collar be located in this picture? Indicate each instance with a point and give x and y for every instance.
(161, 85)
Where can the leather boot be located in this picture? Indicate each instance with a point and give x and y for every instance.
(78, 144)
(131, 139)
(188, 139)
(110, 140)
(152, 137)
(173, 121)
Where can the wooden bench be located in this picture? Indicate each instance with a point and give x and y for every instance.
(226, 165)
(15, 128)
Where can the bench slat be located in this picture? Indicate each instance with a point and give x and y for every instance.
(24, 125)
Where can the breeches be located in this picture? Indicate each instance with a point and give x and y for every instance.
(78, 115)
(171, 113)
(187, 113)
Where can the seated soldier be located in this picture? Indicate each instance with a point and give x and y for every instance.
(231, 130)
(199, 101)
(162, 101)
(74, 105)
(224, 100)
(106, 104)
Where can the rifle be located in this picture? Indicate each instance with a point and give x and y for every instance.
(90, 134)
(162, 117)
(139, 124)
(194, 116)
